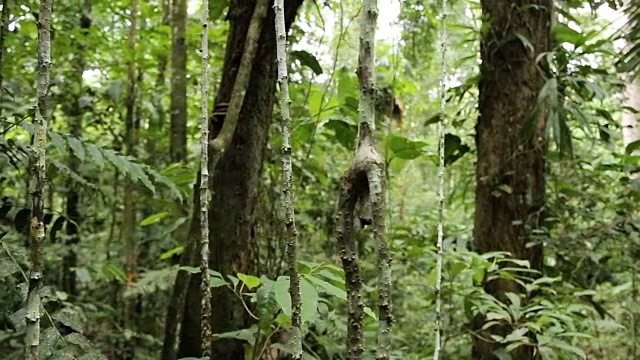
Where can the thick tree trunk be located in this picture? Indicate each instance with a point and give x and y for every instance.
(179, 81)
(510, 173)
(630, 124)
(235, 183)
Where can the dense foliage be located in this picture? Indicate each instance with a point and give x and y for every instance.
(108, 282)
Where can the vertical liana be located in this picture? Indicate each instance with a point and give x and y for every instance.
(374, 167)
(36, 233)
(363, 184)
(290, 224)
(441, 171)
(207, 334)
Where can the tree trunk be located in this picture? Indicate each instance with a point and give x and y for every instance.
(510, 172)
(630, 124)
(129, 212)
(38, 178)
(179, 81)
(4, 17)
(74, 111)
(235, 183)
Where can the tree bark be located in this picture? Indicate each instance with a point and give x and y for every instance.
(236, 181)
(38, 177)
(510, 171)
(179, 81)
(630, 124)
(287, 184)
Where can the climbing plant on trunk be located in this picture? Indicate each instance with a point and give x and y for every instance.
(239, 126)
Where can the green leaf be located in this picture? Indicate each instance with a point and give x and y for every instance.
(76, 147)
(525, 42)
(114, 272)
(404, 148)
(64, 170)
(69, 318)
(215, 282)
(564, 33)
(216, 8)
(308, 60)
(190, 269)
(248, 335)
(344, 133)
(93, 356)
(281, 289)
(153, 218)
(567, 347)
(514, 298)
(96, 155)
(367, 310)
(176, 250)
(433, 120)
(267, 306)
(249, 280)
(78, 339)
(454, 149)
(309, 298)
(57, 141)
(7, 267)
(347, 85)
(633, 146)
(327, 287)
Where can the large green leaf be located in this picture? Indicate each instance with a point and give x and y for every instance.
(307, 59)
(404, 148)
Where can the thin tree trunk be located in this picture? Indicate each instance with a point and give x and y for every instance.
(287, 179)
(179, 81)
(363, 184)
(36, 233)
(75, 113)
(511, 80)
(4, 17)
(236, 178)
(129, 221)
(156, 124)
(207, 335)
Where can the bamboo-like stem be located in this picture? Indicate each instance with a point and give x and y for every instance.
(36, 233)
(287, 177)
(207, 333)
